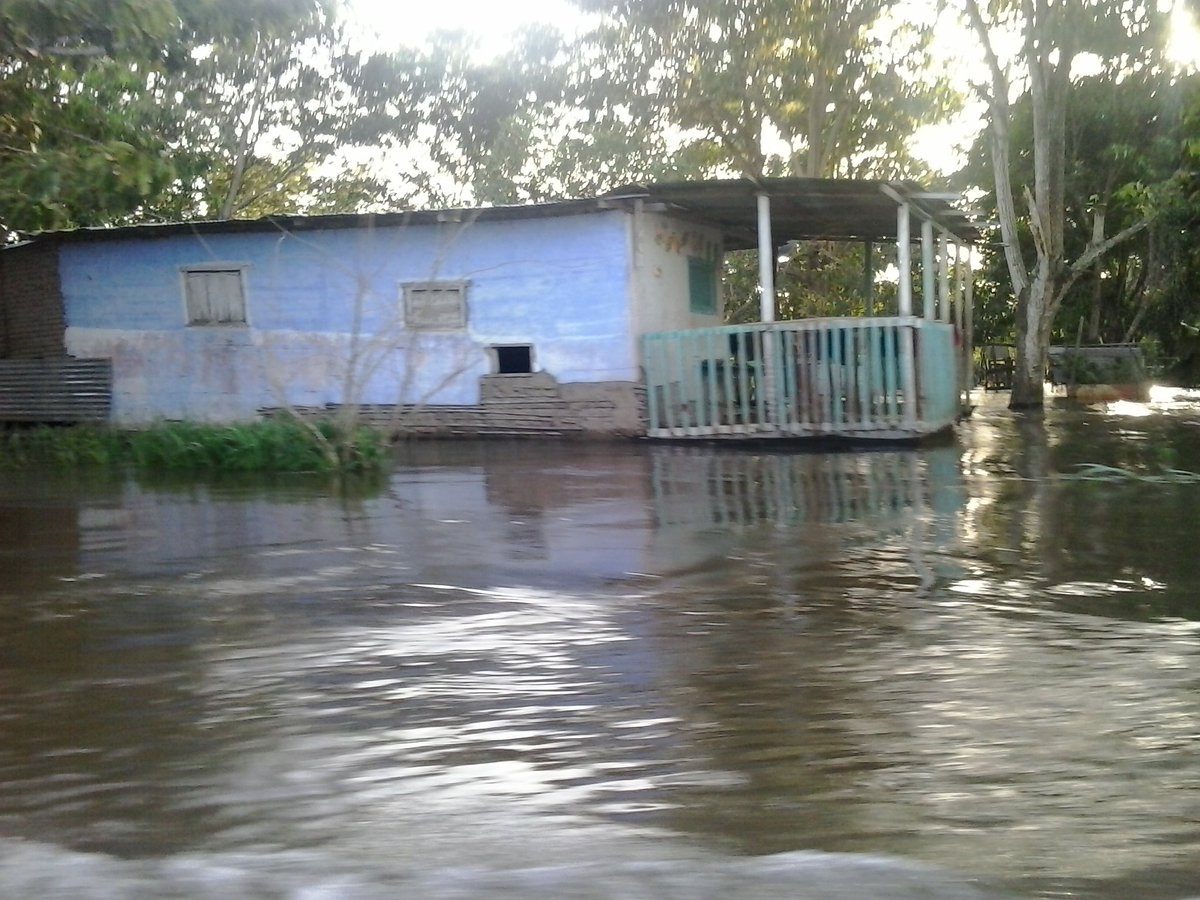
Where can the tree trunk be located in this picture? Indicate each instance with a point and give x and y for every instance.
(1093, 327)
(1029, 366)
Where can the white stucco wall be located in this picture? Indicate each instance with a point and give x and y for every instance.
(661, 247)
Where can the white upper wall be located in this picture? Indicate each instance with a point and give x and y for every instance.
(662, 248)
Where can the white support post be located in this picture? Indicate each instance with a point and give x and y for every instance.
(869, 278)
(958, 292)
(766, 283)
(968, 335)
(904, 259)
(928, 283)
(943, 304)
(766, 261)
(908, 366)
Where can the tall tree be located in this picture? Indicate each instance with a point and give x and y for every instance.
(112, 106)
(266, 114)
(1122, 145)
(75, 148)
(1053, 35)
(837, 86)
(527, 125)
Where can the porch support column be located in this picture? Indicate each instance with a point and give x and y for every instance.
(968, 336)
(904, 259)
(928, 284)
(766, 261)
(868, 278)
(960, 321)
(944, 297)
(907, 348)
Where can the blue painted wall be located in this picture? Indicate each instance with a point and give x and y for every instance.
(325, 305)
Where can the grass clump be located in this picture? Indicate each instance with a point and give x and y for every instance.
(78, 446)
(270, 446)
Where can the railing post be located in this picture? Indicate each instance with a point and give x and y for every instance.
(908, 370)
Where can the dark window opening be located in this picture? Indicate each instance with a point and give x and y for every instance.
(514, 360)
(702, 286)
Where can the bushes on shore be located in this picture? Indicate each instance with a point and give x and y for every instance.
(271, 446)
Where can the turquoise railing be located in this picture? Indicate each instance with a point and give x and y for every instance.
(889, 377)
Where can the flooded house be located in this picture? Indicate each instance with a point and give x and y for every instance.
(598, 316)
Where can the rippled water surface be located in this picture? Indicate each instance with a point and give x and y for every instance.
(565, 670)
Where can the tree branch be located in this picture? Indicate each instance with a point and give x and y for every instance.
(998, 101)
(1093, 252)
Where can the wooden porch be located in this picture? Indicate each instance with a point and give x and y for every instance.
(881, 378)
(898, 377)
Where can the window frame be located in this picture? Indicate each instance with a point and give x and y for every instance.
(186, 274)
(438, 322)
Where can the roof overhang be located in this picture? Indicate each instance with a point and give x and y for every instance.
(803, 209)
(304, 223)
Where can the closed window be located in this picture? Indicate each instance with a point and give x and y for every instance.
(702, 286)
(214, 296)
(436, 305)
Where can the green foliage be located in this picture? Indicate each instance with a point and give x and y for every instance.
(1125, 140)
(270, 446)
(815, 279)
(261, 117)
(842, 85)
(685, 88)
(532, 124)
(80, 446)
(1122, 40)
(135, 110)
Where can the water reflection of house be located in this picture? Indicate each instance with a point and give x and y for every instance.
(596, 316)
(705, 486)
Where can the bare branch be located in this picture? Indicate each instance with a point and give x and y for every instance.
(1093, 252)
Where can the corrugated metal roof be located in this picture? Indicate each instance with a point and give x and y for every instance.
(318, 223)
(802, 208)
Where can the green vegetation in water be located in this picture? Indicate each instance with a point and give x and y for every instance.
(1097, 472)
(272, 446)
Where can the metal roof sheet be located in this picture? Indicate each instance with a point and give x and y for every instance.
(802, 208)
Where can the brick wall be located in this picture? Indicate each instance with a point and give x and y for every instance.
(533, 406)
(32, 320)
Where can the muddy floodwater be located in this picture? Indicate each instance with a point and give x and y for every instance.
(512, 670)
